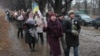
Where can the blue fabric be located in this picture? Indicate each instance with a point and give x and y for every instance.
(67, 51)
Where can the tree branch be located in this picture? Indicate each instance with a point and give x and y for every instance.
(52, 3)
(66, 3)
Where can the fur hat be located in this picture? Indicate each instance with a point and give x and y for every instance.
(71, 12)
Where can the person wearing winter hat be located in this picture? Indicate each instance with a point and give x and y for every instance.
(71, 11)
(62, 21)
(54, 32)
(30, 31)
(72, 30)
(39, 28)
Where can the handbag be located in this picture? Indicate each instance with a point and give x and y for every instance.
(33, 33)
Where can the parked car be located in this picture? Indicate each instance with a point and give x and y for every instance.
(96, 22)
(84, 19)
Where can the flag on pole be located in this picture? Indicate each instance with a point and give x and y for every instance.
(35, 8)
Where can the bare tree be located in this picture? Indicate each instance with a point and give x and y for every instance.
(42, 4)
(58, 6)
(24, 4)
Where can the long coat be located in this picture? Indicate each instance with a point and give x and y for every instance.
(28, 37)
(39, 28)
(71, 39)
(54, 32)
(30, 24)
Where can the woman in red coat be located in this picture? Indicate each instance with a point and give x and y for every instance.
(54, 32)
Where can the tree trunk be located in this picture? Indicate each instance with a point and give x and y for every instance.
(42, 5)
(58, 6)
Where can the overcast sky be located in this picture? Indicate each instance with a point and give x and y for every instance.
(74, 1)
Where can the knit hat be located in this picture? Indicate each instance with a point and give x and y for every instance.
(71, 12)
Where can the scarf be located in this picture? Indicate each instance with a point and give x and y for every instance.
(55, 27)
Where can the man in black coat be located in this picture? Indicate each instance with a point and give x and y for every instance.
(62, 21)
(72, 30)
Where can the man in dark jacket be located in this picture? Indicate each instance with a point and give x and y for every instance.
(72, 30)
(62, 21)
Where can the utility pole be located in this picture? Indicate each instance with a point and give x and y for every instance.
(93, 7)
(11, 5)
(78, 4)
(85, 4)
(99, 7)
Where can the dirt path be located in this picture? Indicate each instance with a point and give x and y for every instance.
(20, 48)
(4, 40)
(16, 46)
(89, 44)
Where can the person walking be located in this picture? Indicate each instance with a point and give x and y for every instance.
(72, 30)
(39, 28)
(30, 29)
(8, 15)
(62, 21)
(20, 21)
(54, 32)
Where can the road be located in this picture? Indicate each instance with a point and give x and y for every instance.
(89, 42)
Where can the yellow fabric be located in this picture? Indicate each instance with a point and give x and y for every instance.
(36, 9)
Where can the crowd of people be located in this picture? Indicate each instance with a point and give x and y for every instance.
(56, 27)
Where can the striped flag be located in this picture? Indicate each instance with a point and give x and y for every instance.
(35, 8)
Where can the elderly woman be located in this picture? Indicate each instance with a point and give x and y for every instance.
(54, 32)
(72, 30)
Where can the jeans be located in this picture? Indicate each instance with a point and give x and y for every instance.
(68, 51)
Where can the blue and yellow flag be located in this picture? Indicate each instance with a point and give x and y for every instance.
(35, 8)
